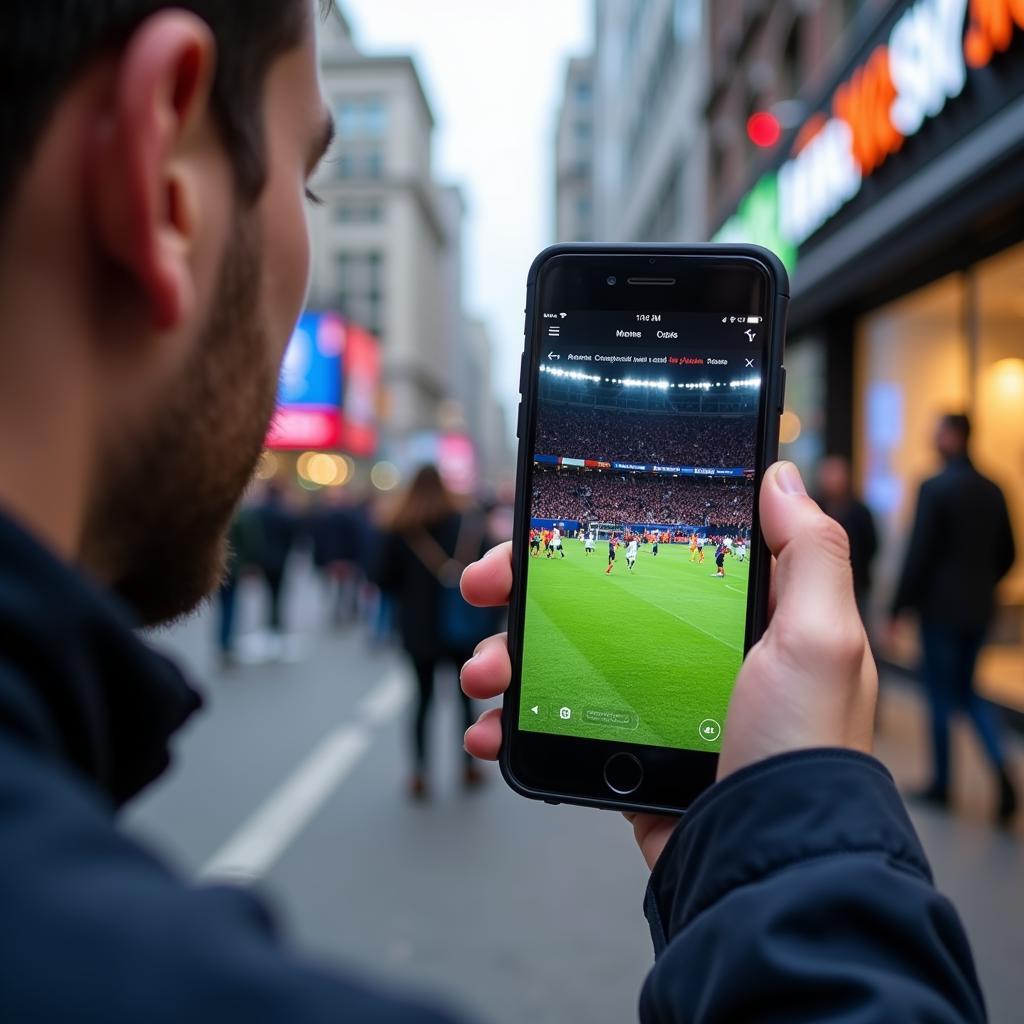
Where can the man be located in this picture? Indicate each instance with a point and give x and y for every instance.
(654, 547)
(720, 552)
(694, 546)
(613, 543)
(631, 549)
(556, 543)
(951, 585)
(153, 261)
(741, 549)
(588, 545)
(837, 500)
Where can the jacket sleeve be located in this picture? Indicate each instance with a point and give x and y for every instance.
(797, 891)
(920, 551)
(386, 564)
(96, 929)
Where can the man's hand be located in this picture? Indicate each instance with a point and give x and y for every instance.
(809, 682)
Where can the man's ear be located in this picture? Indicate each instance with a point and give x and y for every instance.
(144, 194)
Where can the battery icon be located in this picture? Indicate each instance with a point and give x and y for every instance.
(754, 319)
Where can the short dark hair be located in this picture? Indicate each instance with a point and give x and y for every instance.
(46, 44)
(960, 424)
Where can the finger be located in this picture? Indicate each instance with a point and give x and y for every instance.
(483, 740)
(488, 583)
(812, 575)
(488, 673)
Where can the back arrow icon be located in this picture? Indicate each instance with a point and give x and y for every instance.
(536, 709)
(554, 355)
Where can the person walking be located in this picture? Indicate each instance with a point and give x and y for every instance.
(952, 588)
(277, 529)
(429, 541)
(836, 497)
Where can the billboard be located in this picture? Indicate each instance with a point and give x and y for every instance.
(361, 385)
(327, 396)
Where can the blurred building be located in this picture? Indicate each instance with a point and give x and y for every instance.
(388, 254)
(896, 196)
(384, 237)
(574, 155)
(649, 69)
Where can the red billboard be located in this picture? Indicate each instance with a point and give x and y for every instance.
(329, 387)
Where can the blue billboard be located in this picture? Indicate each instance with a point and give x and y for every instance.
(312, 370)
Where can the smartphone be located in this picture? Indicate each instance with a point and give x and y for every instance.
(652, 385)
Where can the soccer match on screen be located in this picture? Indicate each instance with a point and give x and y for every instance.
(642, 500)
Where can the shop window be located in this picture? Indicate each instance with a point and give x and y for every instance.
(954, 345)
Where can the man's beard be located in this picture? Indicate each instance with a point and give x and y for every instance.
(157, 528)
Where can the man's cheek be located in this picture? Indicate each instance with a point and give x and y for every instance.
(287, 273)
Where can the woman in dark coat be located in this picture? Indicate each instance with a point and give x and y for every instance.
(427, 543)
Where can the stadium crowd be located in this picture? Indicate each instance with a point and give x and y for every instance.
(650, 438)
(634, 498)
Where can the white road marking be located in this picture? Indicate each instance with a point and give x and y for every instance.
(386, 699)
(261, 840)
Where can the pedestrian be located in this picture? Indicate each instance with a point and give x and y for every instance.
(836, 497)
(153, 261)
(278, 528)
(429, 541)
(242, 554)
(951, 586)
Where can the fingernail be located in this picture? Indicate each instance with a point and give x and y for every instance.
(789, 479)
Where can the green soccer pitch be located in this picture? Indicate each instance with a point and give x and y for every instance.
(641, 657)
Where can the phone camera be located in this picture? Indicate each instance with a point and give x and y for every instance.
(613, 280)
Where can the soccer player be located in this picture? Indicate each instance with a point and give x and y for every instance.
(534, 543)
(693, 547)
(613, 543)
(740, 551)
(654, 547)
(631, 554)
(720, 552)
(556, 543)
(546, 537)
(588, 544)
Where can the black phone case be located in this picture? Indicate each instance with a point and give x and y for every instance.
(769, 450)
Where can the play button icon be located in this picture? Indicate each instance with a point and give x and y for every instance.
(536, 709)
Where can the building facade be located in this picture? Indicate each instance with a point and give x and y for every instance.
(574, 155)
(383, 238)
(898, 203)
(649, 69)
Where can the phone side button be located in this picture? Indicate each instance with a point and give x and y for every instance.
(522, 375)
(519, 420)
(623, 773)
(782, 391)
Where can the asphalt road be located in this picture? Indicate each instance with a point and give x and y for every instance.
(293, 779)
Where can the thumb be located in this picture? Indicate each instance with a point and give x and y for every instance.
(813, 578)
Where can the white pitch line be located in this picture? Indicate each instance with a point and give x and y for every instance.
(260, 841)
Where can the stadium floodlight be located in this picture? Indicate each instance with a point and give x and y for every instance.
(747, 382)
(660, 385)
(555, 371)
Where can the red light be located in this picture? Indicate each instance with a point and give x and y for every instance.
(763, 129)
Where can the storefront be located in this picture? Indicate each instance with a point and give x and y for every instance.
(899, 206)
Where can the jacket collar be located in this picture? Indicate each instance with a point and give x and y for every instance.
(75, 680)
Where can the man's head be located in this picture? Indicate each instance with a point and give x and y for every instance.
(154, 257)
(834, 478)
(952, 435)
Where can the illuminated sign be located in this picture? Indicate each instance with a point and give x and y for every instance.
(757, 220)
(904, 82)
(362, 392)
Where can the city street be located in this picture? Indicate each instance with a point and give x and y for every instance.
(293, 779)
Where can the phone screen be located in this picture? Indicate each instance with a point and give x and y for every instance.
(641, 502)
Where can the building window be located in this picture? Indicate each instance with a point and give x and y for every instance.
(362, 129)
(361, 288)
(686, 21)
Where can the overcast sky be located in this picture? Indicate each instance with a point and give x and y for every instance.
(493, 73)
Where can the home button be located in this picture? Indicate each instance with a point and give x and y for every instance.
(623, 773)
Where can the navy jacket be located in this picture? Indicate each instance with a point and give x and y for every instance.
(961, 546)
(794, 891)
